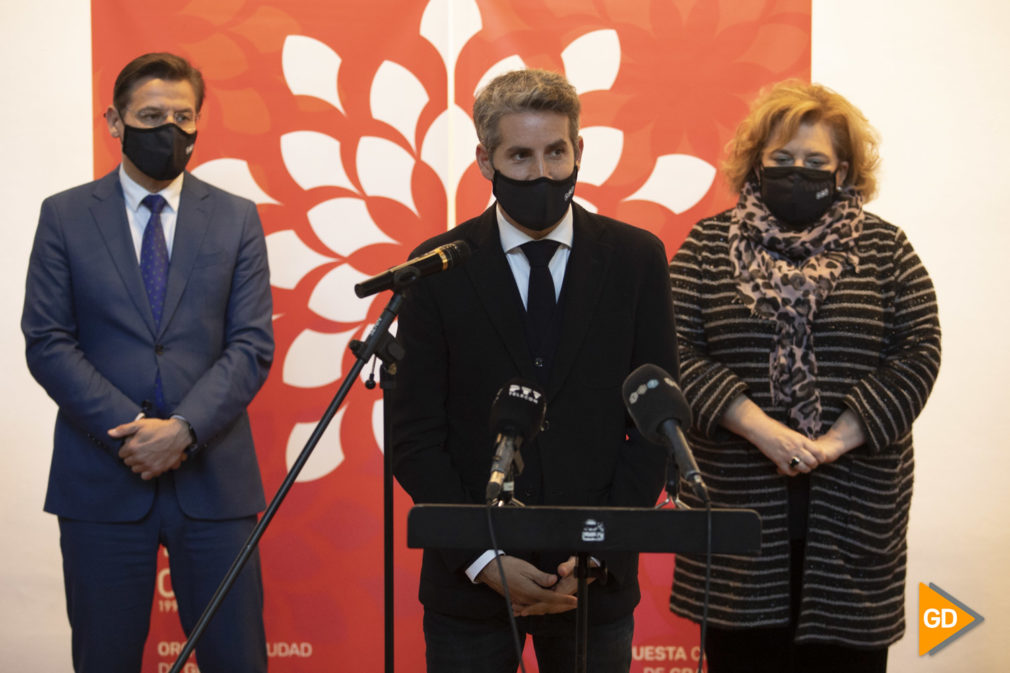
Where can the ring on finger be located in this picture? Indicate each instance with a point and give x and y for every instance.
(794, 461)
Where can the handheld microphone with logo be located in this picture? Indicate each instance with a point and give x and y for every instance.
(442, 258)
(517, 413)
(659, 409)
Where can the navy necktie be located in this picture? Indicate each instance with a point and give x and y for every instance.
(154, 269)
(154, 256)
(540, 299)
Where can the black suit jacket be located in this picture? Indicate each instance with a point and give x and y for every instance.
(463, 331)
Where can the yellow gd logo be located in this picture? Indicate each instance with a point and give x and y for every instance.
(942, 619)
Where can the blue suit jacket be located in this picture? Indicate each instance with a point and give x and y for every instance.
(92, 344)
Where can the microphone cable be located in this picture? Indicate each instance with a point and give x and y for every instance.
(708, 582)
(505, 588)
(680, 504)
(517, 413)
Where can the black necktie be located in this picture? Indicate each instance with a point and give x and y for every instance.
(540, 299)
(154, 269)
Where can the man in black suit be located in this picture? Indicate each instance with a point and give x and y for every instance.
(147, 319)
(470, 330)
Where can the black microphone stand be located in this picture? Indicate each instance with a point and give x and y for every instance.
(379, 343)
(390, 354)
(672, 481)
(506, 498)
(673, 498)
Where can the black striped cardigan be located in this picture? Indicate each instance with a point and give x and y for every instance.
(877, 344)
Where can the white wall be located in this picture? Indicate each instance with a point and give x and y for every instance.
(932, 76)
(45, 122)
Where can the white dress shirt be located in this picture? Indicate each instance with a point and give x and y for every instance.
(511, 241)
(138, 214)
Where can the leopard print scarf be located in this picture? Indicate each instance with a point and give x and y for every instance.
(784, 275)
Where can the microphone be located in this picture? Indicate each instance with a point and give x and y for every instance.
(517, 413)
(659, 409)
(442, 258)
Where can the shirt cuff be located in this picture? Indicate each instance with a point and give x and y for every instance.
(474, 569)
(192, 435)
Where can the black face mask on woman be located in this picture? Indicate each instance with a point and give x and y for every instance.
(535, 204)
(160, 153)
(795, 195)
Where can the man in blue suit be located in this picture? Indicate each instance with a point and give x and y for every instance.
(147, 319)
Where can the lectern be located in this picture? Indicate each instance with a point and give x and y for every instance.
(584, 531)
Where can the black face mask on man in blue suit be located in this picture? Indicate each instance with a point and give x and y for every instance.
(160, 153)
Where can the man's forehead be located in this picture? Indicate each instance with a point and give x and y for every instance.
(534, 128)
(526, 143)
(157, 92)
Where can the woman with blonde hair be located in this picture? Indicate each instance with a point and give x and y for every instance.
(809, 342)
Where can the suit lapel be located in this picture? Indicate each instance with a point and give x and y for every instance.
(109, 212)
(190, 230)
(585, 278)
(494, 283)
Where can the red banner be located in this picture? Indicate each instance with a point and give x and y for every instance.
(348, 124)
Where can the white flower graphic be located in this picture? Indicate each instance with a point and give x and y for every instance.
(384, 167)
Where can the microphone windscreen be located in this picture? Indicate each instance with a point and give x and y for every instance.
(652, 397)
(518, 409)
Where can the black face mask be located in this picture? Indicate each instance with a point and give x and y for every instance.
(535, 204)
(795, 195)
(160, 153)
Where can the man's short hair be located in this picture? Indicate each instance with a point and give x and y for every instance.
(522, 91)
(161, 65)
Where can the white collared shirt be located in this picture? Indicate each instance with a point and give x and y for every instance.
(511, 240)
(138, 214)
